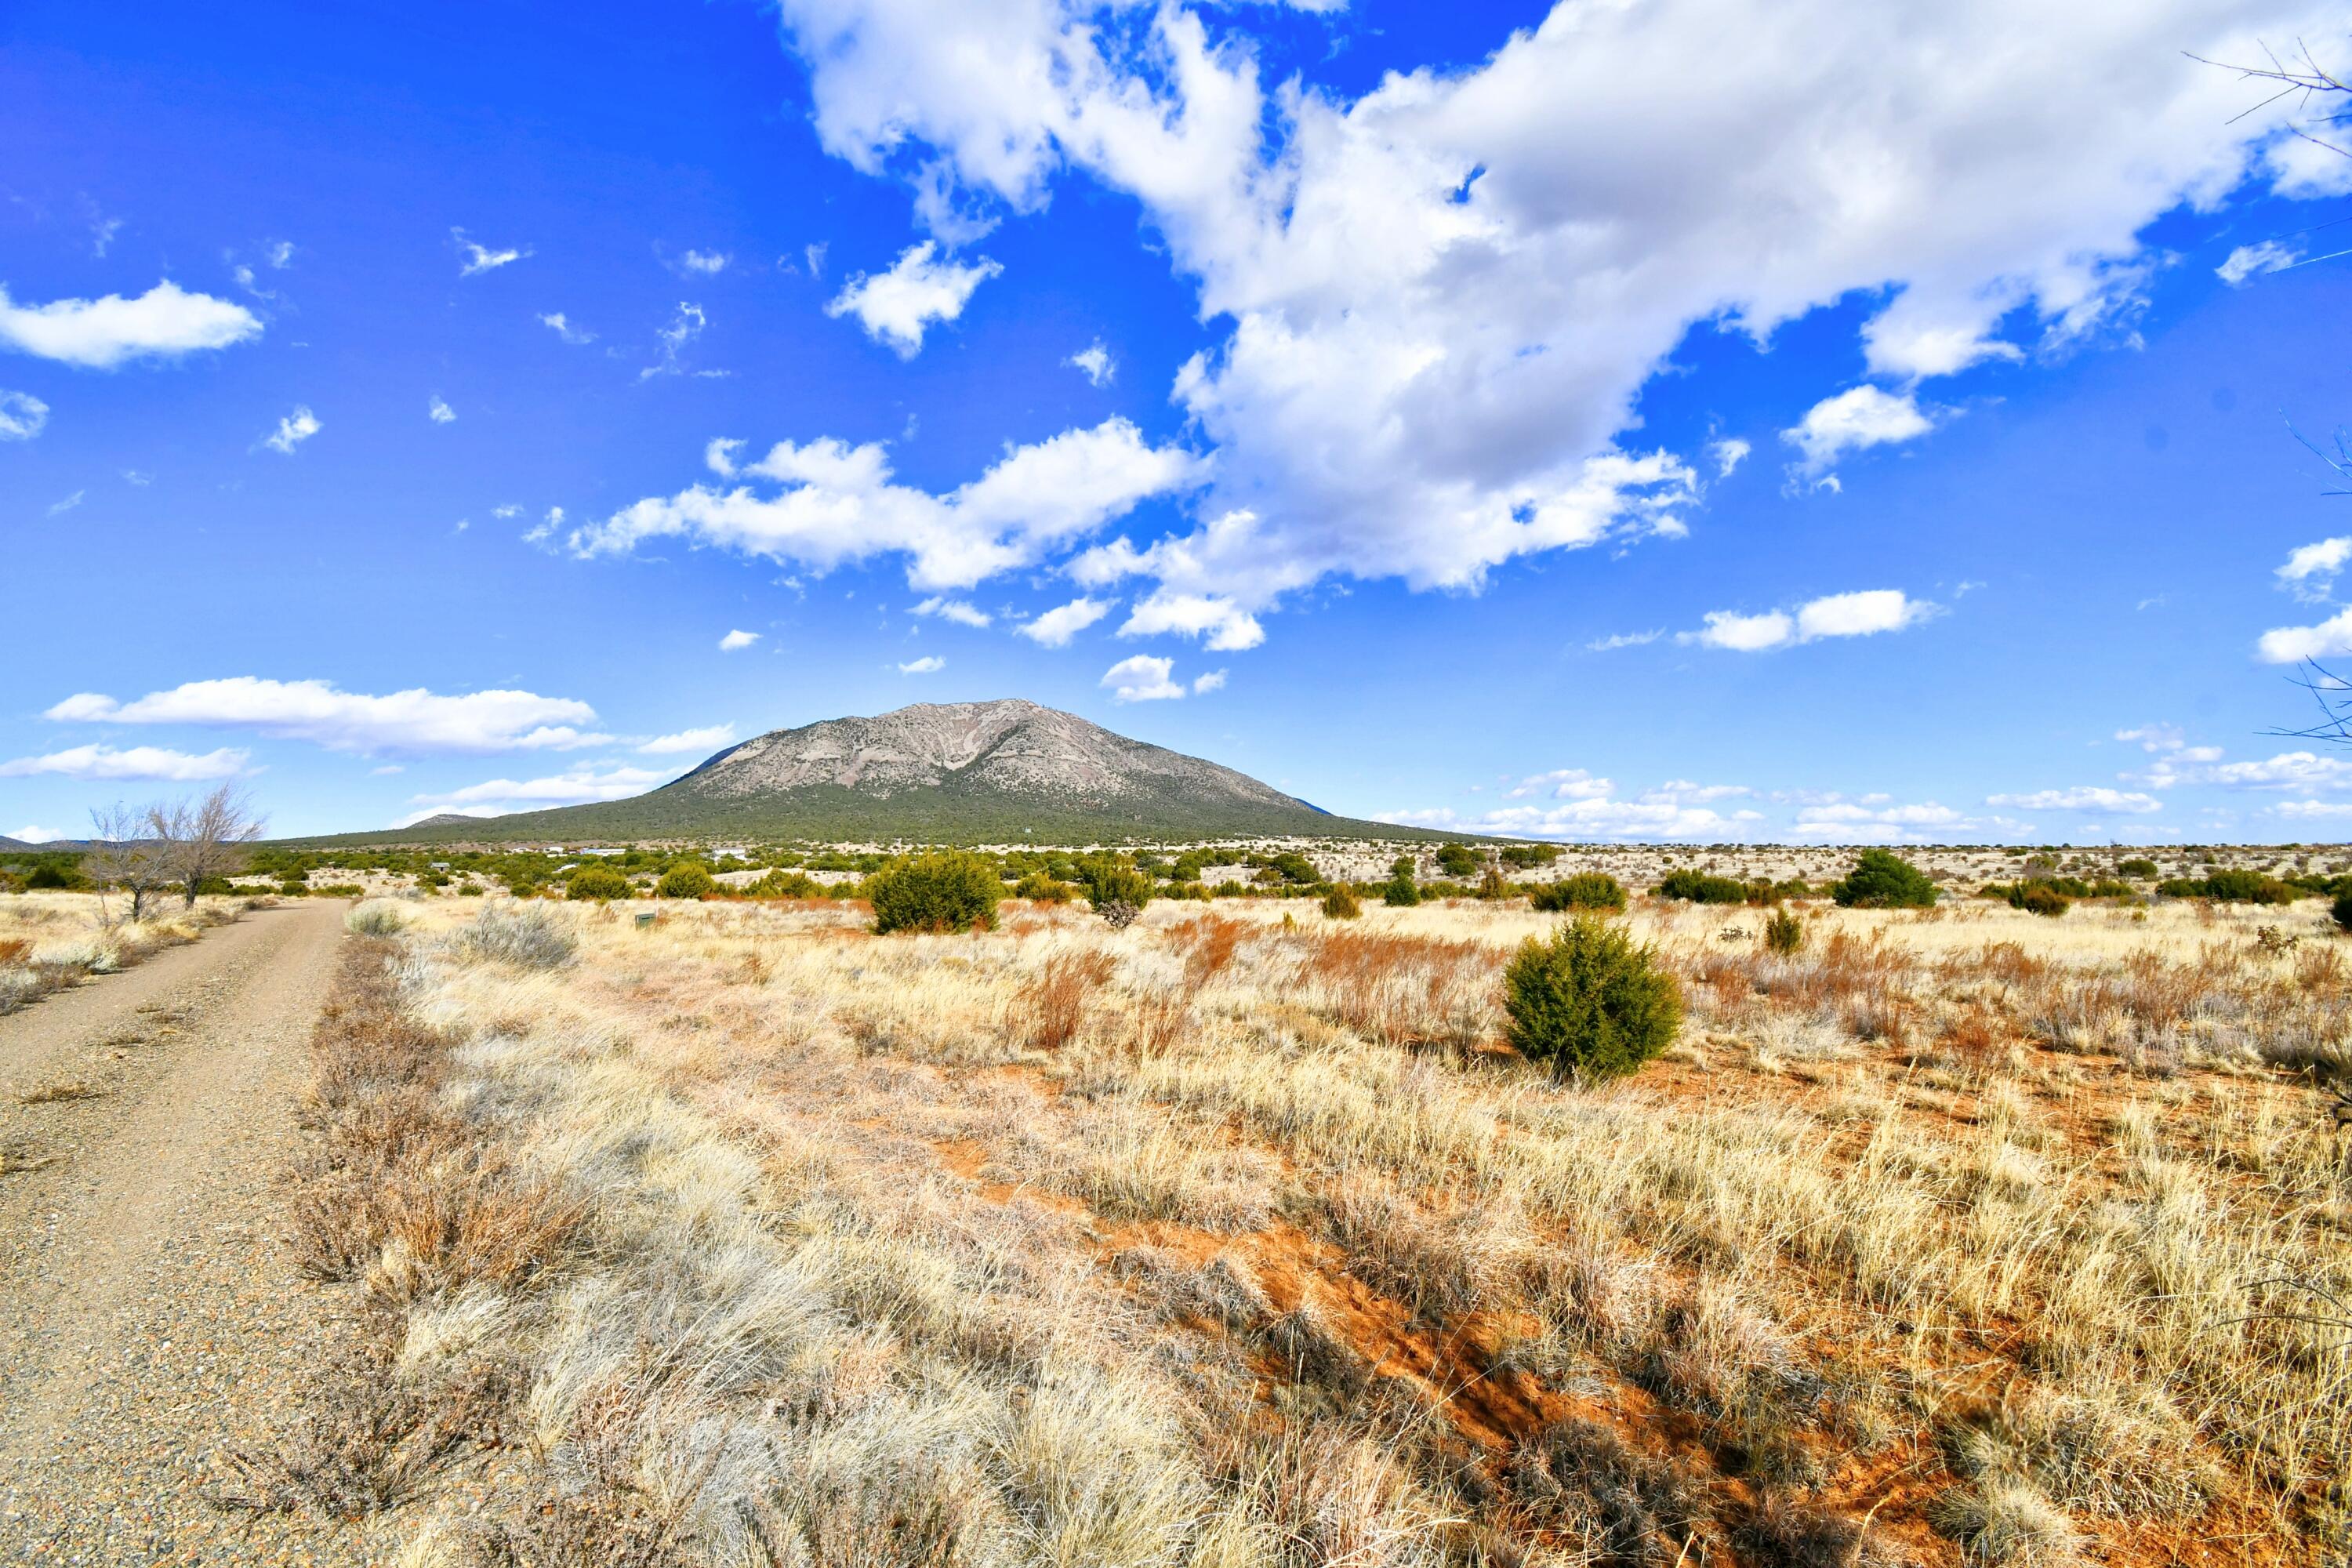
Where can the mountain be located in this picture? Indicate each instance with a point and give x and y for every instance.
(966, 773)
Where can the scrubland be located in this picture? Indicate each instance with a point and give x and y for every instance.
(1236, 1238)
(49, 940)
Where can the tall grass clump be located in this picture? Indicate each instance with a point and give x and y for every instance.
(1585, 891)
(1784, 933)
(1340, 903)
(376, 916)
(1589, 1002)
(532, 938)
(1882, 880)
(949, 891)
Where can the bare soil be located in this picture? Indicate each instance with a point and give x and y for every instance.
(152, 1313)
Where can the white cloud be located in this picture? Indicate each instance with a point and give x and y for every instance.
(2305, 810)
(98, 334)
(736, 641)
(2091, 797)
(1056, 627)
(1857, 417)
(481, 258)
(1438, 301)
(439, 412)
(22, 416)
(565, 328)
(494, 797)
(1726, 455)
(1212, 680)
(1860, 614)
(279, 252)
(1142, 679)
(34, 833)
(895, 307)
(135, 477)
(1226, 625)
(685, 325)
(1616, 640)
(2248, 261)
(103, 762)
(1835, 819)
(2311, 570)
(293, 431)
(929, 664)
(710, 738)
(412, 720)
(1580, 805)
(1095, 363)
(2292, 645)
(59, 509)
(542, 530)
(836, 503)
(2167, 741)
(954, 610)
(703, 263)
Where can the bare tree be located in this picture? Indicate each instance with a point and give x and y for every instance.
(2299, 75)
(126, 851)
(206, 838)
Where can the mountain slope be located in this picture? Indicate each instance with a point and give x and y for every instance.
(998, 772)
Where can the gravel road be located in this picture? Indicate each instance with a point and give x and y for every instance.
(150, 1312)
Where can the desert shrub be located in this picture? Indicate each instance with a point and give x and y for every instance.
(786, 885)
(1882, 880)
(339, 890)
(1401, 893)
(1295, 869)
(948, 892)
(2241, 887)
(2137, 867)
(686, 879)
(376, 916)
(1110, 886)
(1526, 857)
(1039, 888)
(1457, 859)
(601, 883)
(2340, 911)
(535, 938)
(1784, 933)
(1585, 891)
(1699, 887)
(2039, 898)
(1340, 903)
(49, 874)
(1492, 886)
(1589, 1002)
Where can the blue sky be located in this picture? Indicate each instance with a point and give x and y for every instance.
(1459, 414)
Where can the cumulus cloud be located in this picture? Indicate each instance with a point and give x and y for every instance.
(315, 711)
(685, 324)
(710, 738)
(929, 664)
(22, 416)
(835, 503)
(1056, 627)
(164, 322)
(1438, 301)
(2090, 797)
(1833, 818)
(2311, 570)
(1212, 681)
(736, 641)
(1616, 640)
(477, 259)
(1861, 613)
(2167, 741)
(34, 833)
(897, 306)
(1726, 455)
(2293, 644)
(954, 610)
(1572, 803)
(1858, 417)
(103, 762)
(565, 328)
(1141, 678)
(494, 797)
(1224, 625)
(293, 431)
(702, 263)
(1094, 362)
(2249, 261)
(439, 412)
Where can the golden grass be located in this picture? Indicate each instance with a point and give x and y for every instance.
(1237, 1238)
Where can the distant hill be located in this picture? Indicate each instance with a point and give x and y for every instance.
(962, 772)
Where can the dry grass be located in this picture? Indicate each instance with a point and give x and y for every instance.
(1237, 1240)
(51, 940)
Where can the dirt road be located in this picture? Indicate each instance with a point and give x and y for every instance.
(150, 1311)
